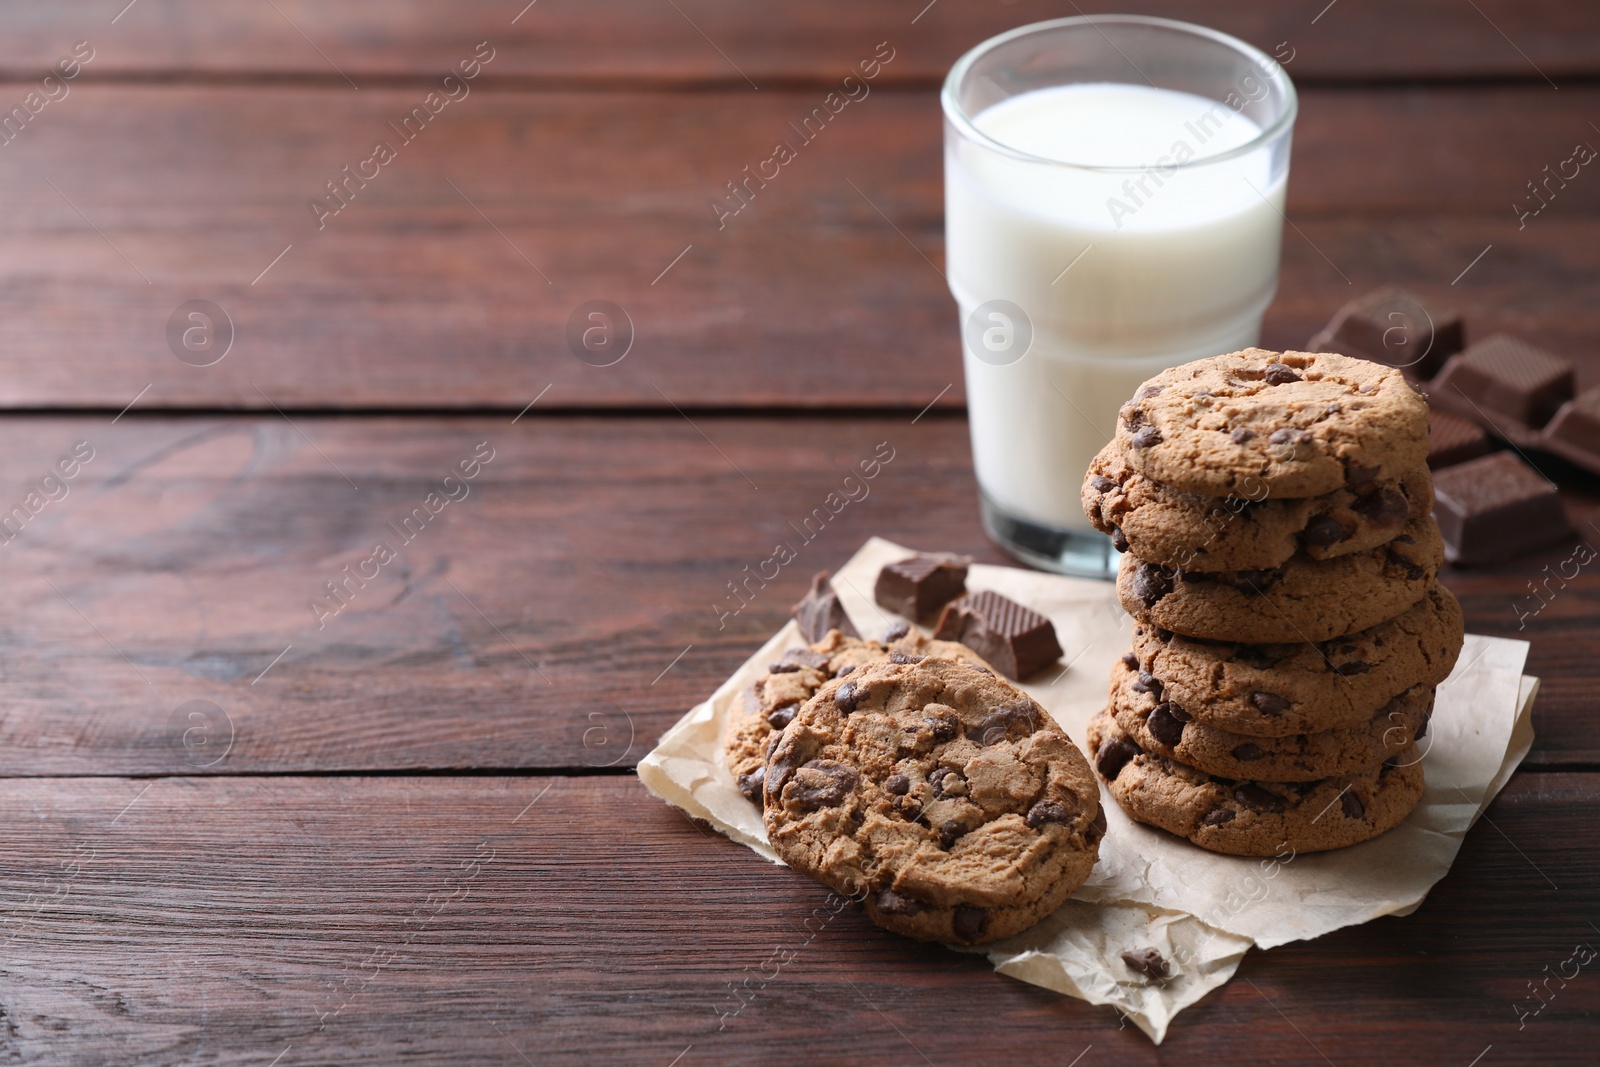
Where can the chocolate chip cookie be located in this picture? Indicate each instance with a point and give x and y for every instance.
(1162, 726)
(772, 701)
(941, 796)
(1254, 818)
(1303, 600)
(1260, 424)
(1283, 690)
(1169, 526)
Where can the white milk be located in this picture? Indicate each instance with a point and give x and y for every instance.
(1181, 263)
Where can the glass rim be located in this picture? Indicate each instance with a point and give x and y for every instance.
(958, 117)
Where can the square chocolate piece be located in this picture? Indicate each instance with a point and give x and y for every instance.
(1392, 326)
(1016, 640)
(918, 587)
(1506, 376)
(1495, 508)
(819, 611)
(1578, 422)
(1452, 440)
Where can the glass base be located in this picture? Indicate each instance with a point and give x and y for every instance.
(1082, 553)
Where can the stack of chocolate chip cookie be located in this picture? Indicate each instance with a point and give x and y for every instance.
(1274, 511)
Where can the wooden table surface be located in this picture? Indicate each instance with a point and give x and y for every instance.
(241, 830)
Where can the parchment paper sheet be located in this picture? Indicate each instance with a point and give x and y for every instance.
(1201, 910)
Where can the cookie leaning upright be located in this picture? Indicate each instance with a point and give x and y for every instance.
(1263, 424)
(943, 797)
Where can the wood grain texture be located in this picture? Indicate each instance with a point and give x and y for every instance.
(564, 613)
(724, 41)
(495, 920)
(450, 279)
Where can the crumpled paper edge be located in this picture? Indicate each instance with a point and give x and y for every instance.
(1067, 952)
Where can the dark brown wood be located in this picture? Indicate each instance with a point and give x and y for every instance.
(808, 298)
(699, 41)
(531, 624)
(495, 920)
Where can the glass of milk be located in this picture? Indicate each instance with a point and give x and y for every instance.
(1114, 190)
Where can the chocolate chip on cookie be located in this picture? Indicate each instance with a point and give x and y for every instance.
(944, 798)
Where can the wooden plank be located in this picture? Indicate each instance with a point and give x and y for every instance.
(562, 614)
(699, 41)
(450, 279)
(494, 920)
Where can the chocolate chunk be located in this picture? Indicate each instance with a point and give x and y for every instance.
(778, 718)
(947, 783)
(819, 784)
(968, 922)
(1218, 817)
(750, 784)
(1047, 811)
(1017, 640)
(1452, 439)
(1496, 508)
(1147, 391)
(1576, 424)
(1392, 326)
(1408, 566)
(1354, 667)
(1145, 437)
(848, 668)
(819, 611)
(1148, 683)
(779, 768)
(1278, 374)
(1255, 798)
(1113, 756)
(1151, 582)
(892, 903)
(920, 586)
(908, 808)
(846, 697)
(772, 742)
(980, 670)
(1248, 752)
(1119, 540)
(1147, 961)
(1102, 484)
(1241, 435)
(897, 656)
(1165, 726)
(944, 727)
(1132, 417)
(1352, 806)
(1422, 731)
(1506, 376)
(782, 668)
(1323, 531)
(1130, 660)
(1005, 723)
(1287, 442)
(896, 631)
(1386, 507)
(950, 833)
(898, 784)
(1356, 477)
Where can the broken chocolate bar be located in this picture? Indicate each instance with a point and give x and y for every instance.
(1392, 326)
(1452, 440)
(819, 611)
(1577, 423)
(1506, 376)
(1495, 508)
(918, 587)
(1017, 641)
